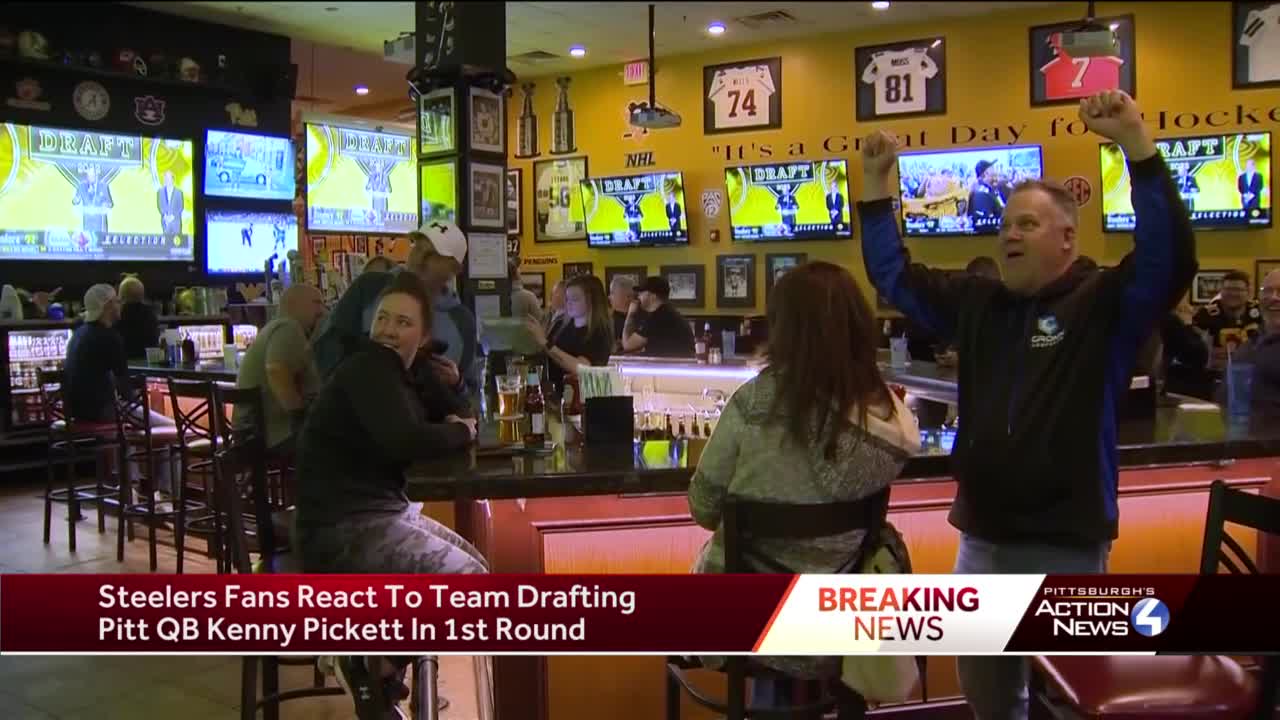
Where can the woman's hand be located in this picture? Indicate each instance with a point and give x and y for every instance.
(446, 370)
(538, 332)
(470, 423)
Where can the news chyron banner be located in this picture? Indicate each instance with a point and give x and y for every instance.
(636, 614)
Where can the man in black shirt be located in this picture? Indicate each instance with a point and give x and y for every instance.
(94, 353)
(664, 332)
(622, 292)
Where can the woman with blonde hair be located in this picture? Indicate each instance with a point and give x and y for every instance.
(583, 337)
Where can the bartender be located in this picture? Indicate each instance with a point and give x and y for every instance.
(583, 337)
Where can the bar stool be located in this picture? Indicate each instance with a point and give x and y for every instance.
(198, 442)
(144, 446)
(71, 443)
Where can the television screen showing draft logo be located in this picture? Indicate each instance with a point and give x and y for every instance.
(83, 195)
(360, 180)
(635, 210)
(1103, 612)
(789, 201)
(1224, 180)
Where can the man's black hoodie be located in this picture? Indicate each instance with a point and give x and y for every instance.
(1040, 376)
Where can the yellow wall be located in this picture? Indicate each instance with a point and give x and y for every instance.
(1183, 66)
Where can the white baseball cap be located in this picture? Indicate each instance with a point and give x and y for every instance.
(447, 238)
(96, 299)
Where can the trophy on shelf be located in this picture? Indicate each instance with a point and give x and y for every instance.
(527, 142)
(562, 135)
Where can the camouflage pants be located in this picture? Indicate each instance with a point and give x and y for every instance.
(408, 542)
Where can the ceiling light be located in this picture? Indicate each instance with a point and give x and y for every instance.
(362, 90)
(880, 5)
(716, 28)
(578, 51)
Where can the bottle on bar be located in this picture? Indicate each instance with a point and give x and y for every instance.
(701, 344)
(668, 433)
(535, 410)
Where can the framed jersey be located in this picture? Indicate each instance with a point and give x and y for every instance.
(1255, 42)
(901, 79)
(1056, 77)
(744, 95)
(557, 199)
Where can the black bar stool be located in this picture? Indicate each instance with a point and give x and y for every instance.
(146, 446)
(72, 443)
(193, 408)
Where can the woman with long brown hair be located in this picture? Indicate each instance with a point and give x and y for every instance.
(818, 424)
(584, 337)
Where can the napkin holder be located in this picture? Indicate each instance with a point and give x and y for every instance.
(608, 420)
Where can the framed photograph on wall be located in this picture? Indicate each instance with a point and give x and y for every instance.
(901, 79)
(745, 95)
(1261, 268)
(1056, 77)
(736, 281)
(515, 199)
(1206, 285)
(536, 283)
(688, 284)
(361, 243)
(573, 270)
(557, 200)
(317, 243)
(1255, 44)
(777, 264)
(487, 208)
(637, 273)
(488, 133)
(437, 123)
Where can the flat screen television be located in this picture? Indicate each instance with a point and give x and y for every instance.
(1225, 181)
(240, 241)
(69, 194)
(802, 200)
(360, 180)
(244, 165)
(635, 210)
(439, 190)
(962, 192)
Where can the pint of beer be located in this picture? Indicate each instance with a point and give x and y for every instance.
(510, 389)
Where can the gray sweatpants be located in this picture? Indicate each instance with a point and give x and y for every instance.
(408, 542)
(996, 687)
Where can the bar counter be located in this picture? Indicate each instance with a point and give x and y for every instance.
(210, 370)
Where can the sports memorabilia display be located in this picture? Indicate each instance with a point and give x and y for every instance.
(1056, 76)
(1255, 33)
(557, 199)
(901, 79)
(744, 95)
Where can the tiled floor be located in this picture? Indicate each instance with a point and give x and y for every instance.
(125, 688)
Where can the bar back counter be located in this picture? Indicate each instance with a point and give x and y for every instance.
(624, 510)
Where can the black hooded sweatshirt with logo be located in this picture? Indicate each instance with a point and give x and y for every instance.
(1040, 376)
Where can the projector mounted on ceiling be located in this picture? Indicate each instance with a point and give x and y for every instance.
(1091, 39)
(651, 115)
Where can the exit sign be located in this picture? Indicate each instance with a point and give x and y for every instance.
(635, 72)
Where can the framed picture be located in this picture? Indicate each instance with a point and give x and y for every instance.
(536, 283)
(1261, 268)
(515, 199)
(437, 123)
(337, 259)
(438, 189)
(1206, 285)
(488, 134)
(736, 281)
(361, 243)
(317, 243)
(1056, 77)
(557, 200)
(688, 284)
(487, 209)
(637, 273)
(744, 95)
(1255, 31)
(573, 270)
(777, 264)
(901, 79)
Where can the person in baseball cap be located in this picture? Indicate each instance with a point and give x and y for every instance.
(101, 306)
(659, 331)
(94, 353)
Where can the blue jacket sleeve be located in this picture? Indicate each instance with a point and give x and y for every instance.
(1163, 261)
(930, 298)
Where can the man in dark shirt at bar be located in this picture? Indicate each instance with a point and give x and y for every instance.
(1044, 359)
(663, 332)
(1264, 353)
(94, 353)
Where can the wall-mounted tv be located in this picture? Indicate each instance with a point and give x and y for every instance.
(635, 210)
(1224, 180)
(68, 194)
(360, 180)
(239, 242)
(962, 192)
(802, 200)
(439, 190)
(243, 165)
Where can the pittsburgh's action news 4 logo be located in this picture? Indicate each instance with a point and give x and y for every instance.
(1104, 612)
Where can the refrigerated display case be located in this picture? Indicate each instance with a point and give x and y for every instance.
(209, 339)
(28, 348)
(243, 335)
